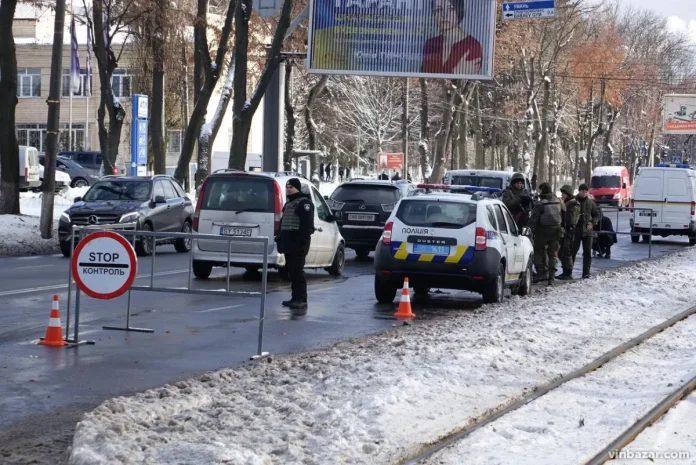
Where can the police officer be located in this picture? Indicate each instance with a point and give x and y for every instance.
(546, 221)
(296, 229)
(584, 232)
(572, 216)
(518, 200)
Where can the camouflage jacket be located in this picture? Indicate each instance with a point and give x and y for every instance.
(589, 213)
(572, 214)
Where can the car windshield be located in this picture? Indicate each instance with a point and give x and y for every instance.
(119, 190)
(239, 193)
(363, 193)
(478, 181)
(73, 165)
(436, 214)
(599, 182)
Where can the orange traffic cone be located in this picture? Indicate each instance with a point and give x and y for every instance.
(404, 312)
(54, 332)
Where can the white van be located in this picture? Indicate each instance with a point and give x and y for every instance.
(250, 204)
(483, 178)
(29, 168)
(670, 192)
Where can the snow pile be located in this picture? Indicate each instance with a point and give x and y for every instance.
(30, 202)
(573, 423)
(381, 398)
(19, 235)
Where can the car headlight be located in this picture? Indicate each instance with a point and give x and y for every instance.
(617, 196)
(65, 217)
(129, 217)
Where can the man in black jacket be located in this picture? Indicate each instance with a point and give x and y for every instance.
(296, 229)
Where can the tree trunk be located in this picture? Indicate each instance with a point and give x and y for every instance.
(53, 123)
(211, 76)
(440, 152)
(243, 109)
(478, 132)
(464, 138)
(424, 143)
(9, 152)
(314, 92)
(290, 118)
(542, 144)
(157, 113)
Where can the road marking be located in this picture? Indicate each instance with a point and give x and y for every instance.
(314, 291)
(64, 286)
(33, 257)
(33, 266)
(219, 308)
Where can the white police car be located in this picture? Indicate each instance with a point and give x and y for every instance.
(466, 241)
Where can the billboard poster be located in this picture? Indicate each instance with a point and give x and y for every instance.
(451, 39)
(679, 114)
(390, 161)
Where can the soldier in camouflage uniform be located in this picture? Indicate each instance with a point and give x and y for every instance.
(547, 223)
(570, 222)
(518, 200)
(584, 232)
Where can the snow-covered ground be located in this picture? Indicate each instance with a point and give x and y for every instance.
(573, 423)
(19, 235)
(377, 399)
(672, 435)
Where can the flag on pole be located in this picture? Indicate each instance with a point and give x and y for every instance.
(74, 61)
(88, 79)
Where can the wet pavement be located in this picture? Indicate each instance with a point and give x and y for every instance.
(193, 333)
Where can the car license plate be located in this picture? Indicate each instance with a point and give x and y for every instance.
(228, 231)
(431, 249)
(356, 217)
(647, 214)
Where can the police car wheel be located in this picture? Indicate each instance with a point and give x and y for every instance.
(494, 291)
(384, 291)
(692, 241)
(646, 237)
(526, 285)
(635, 238)
(202, 270)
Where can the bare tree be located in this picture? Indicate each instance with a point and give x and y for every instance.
(9, 152)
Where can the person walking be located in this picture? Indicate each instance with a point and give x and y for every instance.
(296, 229)
(517, 200)
(584, 232)
(571, 217)
(327, 170)
(341, 170)
(546, 221)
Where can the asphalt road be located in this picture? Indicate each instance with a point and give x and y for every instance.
(193, 333)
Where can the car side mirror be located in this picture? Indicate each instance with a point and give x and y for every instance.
(77, 199)
(526, 232)
(159, 199)
(624, 186)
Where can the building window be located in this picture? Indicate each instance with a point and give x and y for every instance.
(83, 83)
(174, 141)
(33, 135)
(28, 82)
(78, 137)
(121, 83)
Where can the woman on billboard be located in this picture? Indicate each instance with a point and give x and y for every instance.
(453, 51)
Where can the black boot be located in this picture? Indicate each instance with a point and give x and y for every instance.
(565, 276)
(298, 308)
(287, 303)
(538, 278)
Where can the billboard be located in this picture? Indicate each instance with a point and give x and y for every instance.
(679, 114)
(450, 39)
(390, 161)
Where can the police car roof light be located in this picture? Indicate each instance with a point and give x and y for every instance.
(678, 165)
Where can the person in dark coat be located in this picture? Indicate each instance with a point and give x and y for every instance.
(321, 171)
(341, 170)
(296, 229)
(328, 172)
(603, 242)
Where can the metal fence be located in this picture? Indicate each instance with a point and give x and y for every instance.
(618, 210)
(129, 230)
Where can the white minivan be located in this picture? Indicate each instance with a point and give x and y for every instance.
(250, 204)
(669, 191)
(29, 168)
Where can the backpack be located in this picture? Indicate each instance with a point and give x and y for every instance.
(550, 214)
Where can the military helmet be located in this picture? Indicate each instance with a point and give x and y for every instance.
(516, 177)
(567, 189)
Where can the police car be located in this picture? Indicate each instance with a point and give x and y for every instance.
(455, 241)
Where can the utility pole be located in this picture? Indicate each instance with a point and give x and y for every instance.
(53, 123)
(404, 129)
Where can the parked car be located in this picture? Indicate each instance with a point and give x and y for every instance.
(250, 204)
(361, 208)
(668, 194)
(29, 168)
(483, 178)
(611, 185)
(89, 160)
(63, 180)
(80, 176)
(156, 203)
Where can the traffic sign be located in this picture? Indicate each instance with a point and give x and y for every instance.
(527, 10)
(104, 265)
